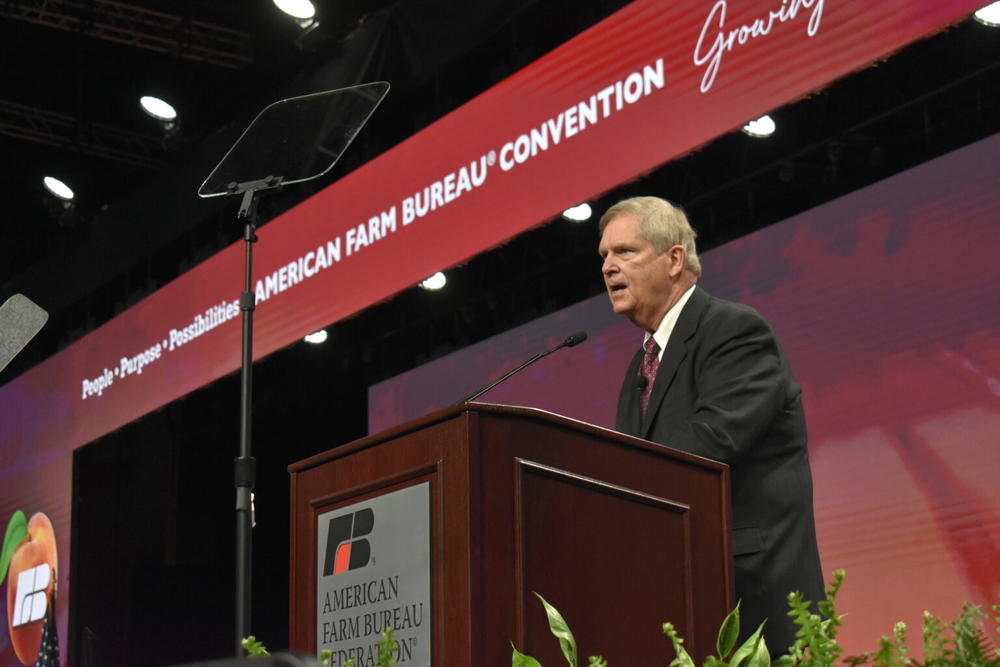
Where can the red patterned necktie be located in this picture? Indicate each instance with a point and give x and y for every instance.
(650, 364)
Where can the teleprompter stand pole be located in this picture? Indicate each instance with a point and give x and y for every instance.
(299, 138)
(244, 467)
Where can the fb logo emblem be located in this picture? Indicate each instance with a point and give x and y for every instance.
(29, 601)
(344, 548)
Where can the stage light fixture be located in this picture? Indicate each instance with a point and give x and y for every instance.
(317, 337)
(578, 213)
(989, 15)
(58, 188)
(298, 9)
(303, 11)
(762, 127)
(166, 116)
(159, 109)
(435, 282)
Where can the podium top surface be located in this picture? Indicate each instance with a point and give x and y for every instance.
(460, 410)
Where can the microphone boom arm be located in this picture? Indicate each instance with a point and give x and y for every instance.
(571, 340)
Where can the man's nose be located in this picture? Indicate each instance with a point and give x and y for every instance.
(608, 267)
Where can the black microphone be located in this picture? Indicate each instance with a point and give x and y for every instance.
(641, 382)
(571, 340)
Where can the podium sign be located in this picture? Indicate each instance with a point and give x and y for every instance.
(373, 573)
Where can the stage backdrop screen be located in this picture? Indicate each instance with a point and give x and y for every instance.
(886, 302)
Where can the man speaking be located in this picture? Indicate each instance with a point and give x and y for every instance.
(711, 379)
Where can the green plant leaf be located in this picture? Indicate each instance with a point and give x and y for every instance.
(728, 633)
(561, 631)
(253, 647)
(387, 649)
(681, 658)
(748, 654)
(17, 530)
(760, 657)
(325, 656)
(518, 659)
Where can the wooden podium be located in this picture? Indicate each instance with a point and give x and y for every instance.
(618, 533)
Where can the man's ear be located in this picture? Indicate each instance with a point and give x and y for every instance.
(678, 259)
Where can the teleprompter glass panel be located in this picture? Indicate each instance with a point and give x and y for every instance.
(296, 139)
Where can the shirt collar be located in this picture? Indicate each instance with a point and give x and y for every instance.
(662, 333)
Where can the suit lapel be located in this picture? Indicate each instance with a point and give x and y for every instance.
(628, 408)
(674, 354)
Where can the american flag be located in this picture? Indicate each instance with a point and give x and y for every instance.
(48, 650)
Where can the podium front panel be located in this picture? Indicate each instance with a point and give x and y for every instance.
(618, 533)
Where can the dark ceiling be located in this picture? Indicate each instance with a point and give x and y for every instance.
(73, 70)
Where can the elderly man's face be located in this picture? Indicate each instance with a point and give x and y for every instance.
(639, 279)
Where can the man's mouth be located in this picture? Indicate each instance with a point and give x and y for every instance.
(615, 289)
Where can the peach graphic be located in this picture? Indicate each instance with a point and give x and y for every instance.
(28, 545)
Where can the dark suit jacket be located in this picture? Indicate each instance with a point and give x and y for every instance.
(724, 391)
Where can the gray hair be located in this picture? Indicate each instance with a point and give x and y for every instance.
(663, 223)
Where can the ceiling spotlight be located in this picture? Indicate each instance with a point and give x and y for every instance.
(297, 9)
(58, 188)
(158, 109)
(578, 213)
(303, 11)
(317, 337)
(762, 127)
(164, 114)
(436, 281)
(989, 15)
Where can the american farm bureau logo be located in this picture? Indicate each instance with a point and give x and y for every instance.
(28, 565)
(346, 545)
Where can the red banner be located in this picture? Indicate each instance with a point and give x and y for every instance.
(651, 82)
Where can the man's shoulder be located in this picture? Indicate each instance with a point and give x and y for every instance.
(707, 320)
(715, 306)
